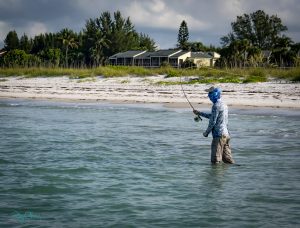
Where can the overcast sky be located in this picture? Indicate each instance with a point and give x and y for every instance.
(207, 20)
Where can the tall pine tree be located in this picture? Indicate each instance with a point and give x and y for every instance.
(11, 41)
(25, 44)
(183, 36)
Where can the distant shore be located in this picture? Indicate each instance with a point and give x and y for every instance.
(146, 90)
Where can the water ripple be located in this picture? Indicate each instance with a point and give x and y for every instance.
(77, 165)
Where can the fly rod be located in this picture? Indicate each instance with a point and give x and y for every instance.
(197, 117)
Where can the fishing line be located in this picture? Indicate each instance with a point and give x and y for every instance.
(197, 118)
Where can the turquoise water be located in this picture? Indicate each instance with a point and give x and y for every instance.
(103, 165)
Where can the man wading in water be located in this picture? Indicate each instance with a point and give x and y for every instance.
(218, 120)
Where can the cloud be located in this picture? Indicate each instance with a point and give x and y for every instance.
(160, 19)
(157, 14)
(4, 29)
(36, 28)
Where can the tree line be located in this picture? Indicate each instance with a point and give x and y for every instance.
(256, 39)
(100, 38)
(252, 36)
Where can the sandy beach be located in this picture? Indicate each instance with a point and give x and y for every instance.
(144, 90)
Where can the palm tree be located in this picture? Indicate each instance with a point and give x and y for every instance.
(255, 56)
(239, 50)
(99, 43)
(244, 48)
(281, 50)
(68, 40)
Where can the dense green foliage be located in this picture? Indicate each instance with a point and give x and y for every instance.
(16, 57)
(251, 35)
(261, 30)
(100, 38)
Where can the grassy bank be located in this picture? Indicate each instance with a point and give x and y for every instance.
(203, 75)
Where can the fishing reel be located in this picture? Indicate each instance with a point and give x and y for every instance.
(197, 118)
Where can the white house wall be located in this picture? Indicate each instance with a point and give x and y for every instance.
(184, 57)
(200, 62)
(177, 60)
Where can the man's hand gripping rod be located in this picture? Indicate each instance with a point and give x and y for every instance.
(197, 117)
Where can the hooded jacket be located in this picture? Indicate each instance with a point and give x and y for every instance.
(218, 118)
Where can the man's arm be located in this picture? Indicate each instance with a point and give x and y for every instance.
(203, 114)
(212, 120)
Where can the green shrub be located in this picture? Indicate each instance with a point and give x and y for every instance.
(165, 64)
(52, 56)
(296, 78)
(172, 73)
(188, 64)
(258, 72)
(15, 58)
(251, 79)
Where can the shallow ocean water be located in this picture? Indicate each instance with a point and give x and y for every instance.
(104, 165)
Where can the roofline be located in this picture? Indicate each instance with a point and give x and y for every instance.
(180, 55)
(175, 53)
(111, 57)
(139, 54)
(126, 57)
(166, 55)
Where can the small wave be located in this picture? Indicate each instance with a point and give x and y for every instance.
(269, 199)
(54, 170)
(74, 170)
(3, 161)
(15, 104)
(9, 104)
(48, 189)
(65, 180)
(263, 131)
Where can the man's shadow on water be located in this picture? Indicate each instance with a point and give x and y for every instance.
(213, 192)
(215, 176)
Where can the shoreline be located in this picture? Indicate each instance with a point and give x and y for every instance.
(143, 90)
(172, 105)
(244, 110)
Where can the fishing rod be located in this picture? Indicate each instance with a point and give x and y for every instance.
(197, 117)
